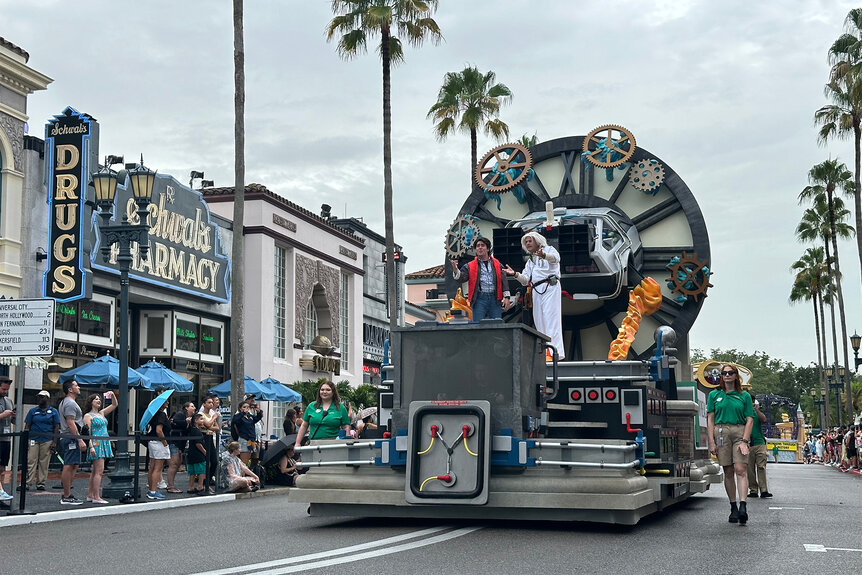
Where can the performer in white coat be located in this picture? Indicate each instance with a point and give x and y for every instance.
(542, 272)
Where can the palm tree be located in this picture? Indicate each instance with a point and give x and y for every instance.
(843, 117)
(815, 226)
(824, 180)
(468, 101)
(354, 22)
(528, 141)
(237, 307)
(811, 279)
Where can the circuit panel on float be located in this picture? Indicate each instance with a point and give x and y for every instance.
(449, 452)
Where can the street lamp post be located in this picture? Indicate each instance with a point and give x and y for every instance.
(855, 341)
(839, 373)
(819, 399)
(124, 235)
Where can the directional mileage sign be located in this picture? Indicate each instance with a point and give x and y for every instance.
(27, 327)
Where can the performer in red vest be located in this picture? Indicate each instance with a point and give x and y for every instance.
(488, 289)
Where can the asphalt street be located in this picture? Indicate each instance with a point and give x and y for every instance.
(810, 526)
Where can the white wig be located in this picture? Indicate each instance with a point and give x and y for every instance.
(537, 237)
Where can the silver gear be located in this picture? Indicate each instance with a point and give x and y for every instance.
(462, 235)
(646, 176)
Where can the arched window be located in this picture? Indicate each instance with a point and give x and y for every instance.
(310, 322)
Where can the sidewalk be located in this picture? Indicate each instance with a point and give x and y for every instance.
(46, 504)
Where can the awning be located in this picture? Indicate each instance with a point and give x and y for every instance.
(32, 362)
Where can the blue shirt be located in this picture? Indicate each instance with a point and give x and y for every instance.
(42, 422)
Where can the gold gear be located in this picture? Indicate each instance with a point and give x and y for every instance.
(518, 157)
(692, 268)
(594, 153)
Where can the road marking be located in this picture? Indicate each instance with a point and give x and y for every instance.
(823, 549)
(326, 554)
(783, 508)
(369, 554)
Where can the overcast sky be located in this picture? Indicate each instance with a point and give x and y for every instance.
(723, 92)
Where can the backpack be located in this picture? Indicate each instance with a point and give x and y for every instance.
(233, 433)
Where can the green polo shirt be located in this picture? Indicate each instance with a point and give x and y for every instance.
(757, 433)
(325, 425)
(730, 408)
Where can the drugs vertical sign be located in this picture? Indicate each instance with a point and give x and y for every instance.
(71, 145)
(27, 327)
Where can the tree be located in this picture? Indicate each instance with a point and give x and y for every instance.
(843, 118)
(237, 307)
(816, 225)
(528, 141)
(825, 179)
(354, 22)
(811, 280)
(467, 102)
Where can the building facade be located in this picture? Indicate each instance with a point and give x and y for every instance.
(426, 293)
(302, 279)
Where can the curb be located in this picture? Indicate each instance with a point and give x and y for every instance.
(122, 509)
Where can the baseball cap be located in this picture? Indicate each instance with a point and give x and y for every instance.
(45, 393)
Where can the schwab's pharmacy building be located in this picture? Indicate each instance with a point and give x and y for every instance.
(179, 296)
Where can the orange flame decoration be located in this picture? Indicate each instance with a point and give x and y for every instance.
(460, 302)
(645, 299)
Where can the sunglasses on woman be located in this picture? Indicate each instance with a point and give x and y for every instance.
(728, 373)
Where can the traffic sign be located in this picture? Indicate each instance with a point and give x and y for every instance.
(27, 327)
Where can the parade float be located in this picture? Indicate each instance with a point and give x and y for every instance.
(480, 424)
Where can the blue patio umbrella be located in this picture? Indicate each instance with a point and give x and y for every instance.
(282, 392)
(251, 386)
(158, 375)
(103, 370)
(154, 407)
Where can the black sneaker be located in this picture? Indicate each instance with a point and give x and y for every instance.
(40, 487)
(734, 515)
(766, 494)
(71, 500)
(743, 513)
(753, 494)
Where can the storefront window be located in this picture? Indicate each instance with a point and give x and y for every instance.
(187, 336)
(66, 317)
(155, 333)
(211, 339)
(95, 319)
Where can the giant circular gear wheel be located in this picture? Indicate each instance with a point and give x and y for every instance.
(609, 137)
(646, 175)
(689, 270)
(561, 177)
(461, 236)
(492, 172)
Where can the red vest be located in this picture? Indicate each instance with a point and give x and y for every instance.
(473, 280)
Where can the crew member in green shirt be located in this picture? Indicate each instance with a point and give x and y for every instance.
(730, 416)
(757, 457)
(324, 416)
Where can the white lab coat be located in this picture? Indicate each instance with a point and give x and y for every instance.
(547, 298)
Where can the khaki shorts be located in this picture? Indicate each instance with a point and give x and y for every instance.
(728, 438)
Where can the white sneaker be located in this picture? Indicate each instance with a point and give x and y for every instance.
(162, 484)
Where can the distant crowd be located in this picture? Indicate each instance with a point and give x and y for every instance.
(838, 447)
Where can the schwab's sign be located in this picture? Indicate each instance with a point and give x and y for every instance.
(185, 249)
(72, 146)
